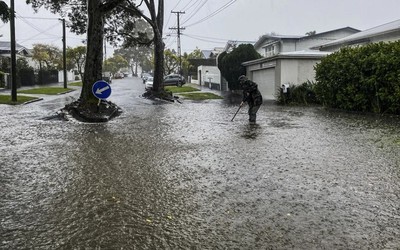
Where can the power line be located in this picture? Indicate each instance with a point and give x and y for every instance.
(195, 11)
(214, 13)
(207, 39)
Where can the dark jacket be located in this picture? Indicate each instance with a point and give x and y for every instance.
(251, 94)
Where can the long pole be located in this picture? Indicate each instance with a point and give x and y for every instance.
(13, 54)
(236, 113)
(64, 55)
(179, 28)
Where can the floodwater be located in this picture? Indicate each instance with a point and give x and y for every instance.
(183, 176)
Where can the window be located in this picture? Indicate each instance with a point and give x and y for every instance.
(270, 51)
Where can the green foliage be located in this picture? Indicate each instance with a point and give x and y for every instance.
(198, 96)
(46, 91)
(365, 78)
(135, 56)
(171, 62)
(76, 58)
(303, 94)
(48, 56)
(2, 82)
(195, 54)
(230, 64)
(4, 12)
(115, 64)
(6, 99)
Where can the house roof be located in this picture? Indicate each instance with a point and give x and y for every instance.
(297, 37)
(275, 37)
(372, 32)
(303, 54)
(331, 31)
(234, 43)
(6, 46)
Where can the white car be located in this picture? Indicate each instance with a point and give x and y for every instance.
(148, 83)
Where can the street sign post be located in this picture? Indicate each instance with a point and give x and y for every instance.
(101, 89)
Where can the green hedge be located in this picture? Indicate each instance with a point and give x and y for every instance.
(365, 78)
(302, 94)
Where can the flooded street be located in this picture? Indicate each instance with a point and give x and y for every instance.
(183, 176)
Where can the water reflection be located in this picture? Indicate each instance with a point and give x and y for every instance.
(251, 131)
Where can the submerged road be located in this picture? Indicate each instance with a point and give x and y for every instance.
(183, 176)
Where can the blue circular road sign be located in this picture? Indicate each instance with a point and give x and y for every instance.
(101, 89)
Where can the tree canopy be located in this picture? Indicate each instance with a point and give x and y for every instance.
(77, 57)
(4, 12)
(48, 56)
(115, 20)
(230, 64)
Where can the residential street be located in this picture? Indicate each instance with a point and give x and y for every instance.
(183, 176)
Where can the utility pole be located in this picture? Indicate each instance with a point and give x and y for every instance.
(105, 49)
(64, 55)
(179, 28)
(13, 54)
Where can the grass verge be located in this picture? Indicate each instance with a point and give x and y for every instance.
(6, 99)
(45, 91)
(182, 89)
(77, 84)
(201, 96)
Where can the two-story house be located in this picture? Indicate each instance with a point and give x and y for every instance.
(388, 32)
(289, 59)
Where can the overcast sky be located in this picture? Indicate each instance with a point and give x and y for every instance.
(211, 23)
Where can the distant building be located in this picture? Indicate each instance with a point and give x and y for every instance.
(5, 50)
(208, 73)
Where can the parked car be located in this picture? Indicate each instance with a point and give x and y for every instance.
(107, 77)
(149, 83)
(118, 75)
(174, 80)
(145, 76)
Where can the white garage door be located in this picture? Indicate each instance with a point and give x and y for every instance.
(266, 82)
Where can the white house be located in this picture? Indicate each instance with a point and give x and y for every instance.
(383, 33)
(271, 73)
(209, 75)
(288, 59)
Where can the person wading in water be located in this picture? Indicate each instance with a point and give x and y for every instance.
(251, 96)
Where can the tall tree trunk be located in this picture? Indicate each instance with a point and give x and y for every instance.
(158, 62)
(94, 53)
(158, 45)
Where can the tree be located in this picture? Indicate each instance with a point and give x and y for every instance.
(195, 54)
(115, 64)
(171, 62)
(311, 33)
(4, 12)
(91, 16)
(48, 56)
(136, 56)
(77, 57)
(230, 64)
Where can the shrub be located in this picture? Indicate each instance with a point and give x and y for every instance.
(299, 94)
(365, 78)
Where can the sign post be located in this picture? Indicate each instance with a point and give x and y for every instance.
(102, 90)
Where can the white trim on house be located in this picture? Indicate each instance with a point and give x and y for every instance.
(382, 33)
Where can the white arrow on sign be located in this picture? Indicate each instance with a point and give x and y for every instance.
(100, 91)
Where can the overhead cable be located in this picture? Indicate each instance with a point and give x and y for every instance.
(214, 13)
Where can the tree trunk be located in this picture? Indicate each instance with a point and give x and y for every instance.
(158, 62)
(94, 54)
